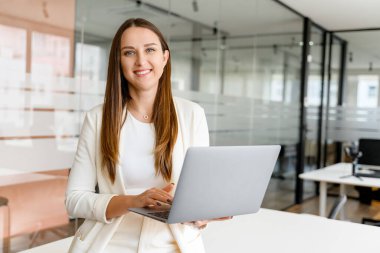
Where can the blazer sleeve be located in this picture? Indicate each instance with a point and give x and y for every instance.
(81, 199)
(201, 135)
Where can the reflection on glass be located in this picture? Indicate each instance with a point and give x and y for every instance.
(50, 55)
(358, 116)
(89, 62)
(367, 91)
(208, 72)
(12, 53)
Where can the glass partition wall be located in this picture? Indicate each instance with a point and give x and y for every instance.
(358, 114)
(244, 72)
(240, 61)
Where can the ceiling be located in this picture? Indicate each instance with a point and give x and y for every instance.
(333, 15)
(339, 14)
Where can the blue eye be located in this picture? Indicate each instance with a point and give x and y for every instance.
(129, 53)
(150, 50)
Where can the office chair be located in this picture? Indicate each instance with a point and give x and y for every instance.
(337, 207)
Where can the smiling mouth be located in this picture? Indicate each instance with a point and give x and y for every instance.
(142, 72)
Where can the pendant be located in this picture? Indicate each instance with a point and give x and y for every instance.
(146, 117)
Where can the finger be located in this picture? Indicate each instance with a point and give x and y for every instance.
(223, 218)
(201, 223)
(192, 224)
(161, 191)
(151, 198)
(203, 226)
(157, 205)
(168, 188)
(163, 207)
(187, 223)
(163, 196)
(148, 202)
(160, 197)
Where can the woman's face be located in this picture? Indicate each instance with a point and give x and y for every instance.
(142, 58)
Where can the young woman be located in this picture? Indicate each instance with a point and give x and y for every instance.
(132, 148)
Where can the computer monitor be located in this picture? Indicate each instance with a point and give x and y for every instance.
(370, 158)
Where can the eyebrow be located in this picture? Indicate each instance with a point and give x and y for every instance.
(145, 45)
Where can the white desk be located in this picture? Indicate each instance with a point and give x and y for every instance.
(333, 174)
(275, 231)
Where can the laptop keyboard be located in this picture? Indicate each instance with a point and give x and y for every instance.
(162, 215)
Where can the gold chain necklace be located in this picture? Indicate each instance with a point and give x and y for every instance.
(144, 115)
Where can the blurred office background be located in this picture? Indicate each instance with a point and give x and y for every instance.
(264, 74)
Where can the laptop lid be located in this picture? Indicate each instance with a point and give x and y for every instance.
(222, 181)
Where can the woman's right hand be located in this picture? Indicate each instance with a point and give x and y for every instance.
(154, 197)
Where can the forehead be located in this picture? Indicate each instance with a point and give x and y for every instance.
(137, 36)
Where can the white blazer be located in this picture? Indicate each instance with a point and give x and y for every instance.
(86, 173)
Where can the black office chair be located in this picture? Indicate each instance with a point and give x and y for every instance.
(370, 157)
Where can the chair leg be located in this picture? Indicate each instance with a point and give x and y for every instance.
(337, 207)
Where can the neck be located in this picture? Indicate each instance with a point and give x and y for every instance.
(142, 102)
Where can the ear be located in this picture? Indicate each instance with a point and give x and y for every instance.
(166, 56)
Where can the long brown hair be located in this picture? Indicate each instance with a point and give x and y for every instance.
(116, 97)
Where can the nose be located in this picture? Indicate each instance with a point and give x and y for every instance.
(140, 59)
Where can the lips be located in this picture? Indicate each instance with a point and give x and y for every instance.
(142, 72)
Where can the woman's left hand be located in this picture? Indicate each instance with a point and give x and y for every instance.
(203, 223)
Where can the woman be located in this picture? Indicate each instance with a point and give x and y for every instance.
(132, 147)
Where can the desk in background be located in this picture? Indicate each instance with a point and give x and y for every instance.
(272, 231)
(333, 174)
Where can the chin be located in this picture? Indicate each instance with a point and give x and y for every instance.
(146, 87)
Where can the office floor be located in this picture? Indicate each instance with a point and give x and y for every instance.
(280, 193)
(355, 211)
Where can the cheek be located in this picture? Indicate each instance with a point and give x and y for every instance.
(125, 66)
(160, 65)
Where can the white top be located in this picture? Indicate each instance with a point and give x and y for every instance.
(137, 166)
(137, 160)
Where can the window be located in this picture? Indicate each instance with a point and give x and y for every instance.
(50, 55)
(367, 92)
(90, 62)
(12, 53)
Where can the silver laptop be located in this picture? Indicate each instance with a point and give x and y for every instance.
(218, 182)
